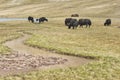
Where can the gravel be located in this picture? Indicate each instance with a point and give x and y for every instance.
(17, 61)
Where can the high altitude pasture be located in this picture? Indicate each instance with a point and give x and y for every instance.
(98, 43)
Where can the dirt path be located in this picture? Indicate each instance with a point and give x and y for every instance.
(40, 59)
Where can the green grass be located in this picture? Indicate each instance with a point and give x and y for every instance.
(6, 35)
(9, 31)
(97, 42)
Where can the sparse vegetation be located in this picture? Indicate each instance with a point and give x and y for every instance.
(86, 8)
(94, 42)
(98, 42)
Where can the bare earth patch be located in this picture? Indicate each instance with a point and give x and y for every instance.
(17, 62)
(25, 59)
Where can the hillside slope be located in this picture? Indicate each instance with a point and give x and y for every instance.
(52, 8)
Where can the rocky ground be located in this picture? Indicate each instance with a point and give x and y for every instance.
(18, 61)
(25, 59)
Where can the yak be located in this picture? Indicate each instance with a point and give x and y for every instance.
(42, 19)
(31, 19)
(71, 23)
(86, 22)
(107, 22)
(75, 15)
(67, 21)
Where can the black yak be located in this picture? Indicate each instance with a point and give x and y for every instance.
(71, 23)
(86, 22)
(107, 22)
(42, 19)
(75, 15)
(67, 21)
(31, 19)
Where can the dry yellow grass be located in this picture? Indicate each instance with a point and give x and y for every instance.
(98, 41)
(85, 8)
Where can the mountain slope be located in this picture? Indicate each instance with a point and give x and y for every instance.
(89, 8)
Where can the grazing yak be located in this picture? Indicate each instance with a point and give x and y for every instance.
(86, 22)
(107, 22)
(75, 15)
(31, 19)
(67, 21)
(42, 19)
(71, 23)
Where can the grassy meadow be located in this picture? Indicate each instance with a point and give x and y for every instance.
(98, 42)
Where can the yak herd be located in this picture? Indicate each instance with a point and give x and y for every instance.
(71, 22)
(42, 19)
(74, 23)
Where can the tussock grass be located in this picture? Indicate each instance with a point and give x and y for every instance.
(9, 31)
(6, 35)
(92, 41)
(98, 41)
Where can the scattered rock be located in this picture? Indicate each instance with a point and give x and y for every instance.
(17, 61)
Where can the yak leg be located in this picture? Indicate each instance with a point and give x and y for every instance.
(104, 24)
(69, 27)
(89, 26)
(32, 21)
(73, 27)
(81, 26)
(86, 25)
